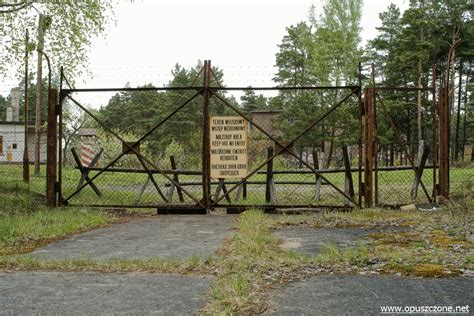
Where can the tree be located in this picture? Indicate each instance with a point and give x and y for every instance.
(251, 102)
(294, 57)
(139, 111)
(73, 25)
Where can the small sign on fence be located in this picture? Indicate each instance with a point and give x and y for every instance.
(229, 147)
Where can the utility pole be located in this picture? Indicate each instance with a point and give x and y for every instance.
(39, 81)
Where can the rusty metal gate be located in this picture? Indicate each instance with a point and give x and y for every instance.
(300, 161)
(312, 147)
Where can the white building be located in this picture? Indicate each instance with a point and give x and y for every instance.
(12, 142)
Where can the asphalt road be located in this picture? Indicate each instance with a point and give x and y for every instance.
(56, 293)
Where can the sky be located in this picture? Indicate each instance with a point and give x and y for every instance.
(240, 37)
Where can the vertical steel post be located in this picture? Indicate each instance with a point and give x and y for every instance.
(444, 142)
(206, 170)
(51, 149)
(26, 157)
(434, 149)
(369, 142)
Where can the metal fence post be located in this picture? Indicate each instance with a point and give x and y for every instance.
(51, 149)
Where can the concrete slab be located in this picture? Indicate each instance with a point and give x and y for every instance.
(165, 237)
(311, 241)
(363, 295)
(55, 293)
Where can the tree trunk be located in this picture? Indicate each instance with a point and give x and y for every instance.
(331, 148)
(39, 83)
(458, 114)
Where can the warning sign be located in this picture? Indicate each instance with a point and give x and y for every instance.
(229, 146)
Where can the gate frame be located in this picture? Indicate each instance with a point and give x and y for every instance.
(204, 205)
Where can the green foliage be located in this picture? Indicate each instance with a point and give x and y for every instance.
(323, 51)
(69, 28)
(113, 148)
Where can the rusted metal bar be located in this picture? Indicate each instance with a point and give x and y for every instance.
(132, 170)
(284, 88)
(403, 143)
(199, 173)
(51, 170)
(287, 145)
(82, 90)
(206, 142)
(131, 147)
(283, 182)
(26, 156)
(194, 207)
(419, 174)
(444, 142)
(369, 141)
(176, 177)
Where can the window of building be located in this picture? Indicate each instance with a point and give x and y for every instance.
(14, 146)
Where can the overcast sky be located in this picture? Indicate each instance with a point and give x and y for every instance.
(240, 37)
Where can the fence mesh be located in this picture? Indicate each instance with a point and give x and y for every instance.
(95, 170)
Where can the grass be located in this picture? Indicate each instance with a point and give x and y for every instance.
(26, 223)
(249, 263)
(26, 262)
(123, 188)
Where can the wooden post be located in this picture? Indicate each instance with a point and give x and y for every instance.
(348, 184)
(206, 159)
(369, 144)
(51, 150)
(269, 190)
(419, 172)
(444, 143)
(318, 161)
(176, 179)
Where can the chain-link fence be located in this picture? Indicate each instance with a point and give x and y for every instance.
(404, 158)
(12, 151)
(461, 171)
(320, 127)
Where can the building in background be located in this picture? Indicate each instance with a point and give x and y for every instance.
(12, 135)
